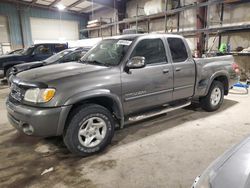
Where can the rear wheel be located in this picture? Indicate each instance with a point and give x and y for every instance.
(213, 100)
(90, 130)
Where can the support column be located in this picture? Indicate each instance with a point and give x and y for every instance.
(200, 24)
(121, 11)
(20, 24)
(221, 21)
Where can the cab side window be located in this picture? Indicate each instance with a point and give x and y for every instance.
(43, 49)
(60, 47)
(178, 49)
(72, 57)
(152, 49)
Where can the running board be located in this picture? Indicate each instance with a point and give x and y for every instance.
(157, 112)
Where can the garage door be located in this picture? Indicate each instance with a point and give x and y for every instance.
(52, 29)
(4, 35)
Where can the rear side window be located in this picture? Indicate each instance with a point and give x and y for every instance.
(60, 47)
(152, 49)
(178, 50)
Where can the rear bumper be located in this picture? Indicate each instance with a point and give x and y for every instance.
(1, 73)
(34, 121)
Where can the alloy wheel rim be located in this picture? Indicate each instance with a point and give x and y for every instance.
(215, 96)
(92, 132)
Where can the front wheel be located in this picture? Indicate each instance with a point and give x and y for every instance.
(214, 99)
(90, 129)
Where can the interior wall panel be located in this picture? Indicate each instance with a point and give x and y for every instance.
(4, 29)
(52, 29)
(11, 12)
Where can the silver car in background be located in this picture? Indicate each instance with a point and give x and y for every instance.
(231, 170)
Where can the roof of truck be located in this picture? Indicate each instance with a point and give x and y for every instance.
(134, 36)
(129, 36)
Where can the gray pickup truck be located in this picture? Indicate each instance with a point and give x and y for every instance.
(122, 79)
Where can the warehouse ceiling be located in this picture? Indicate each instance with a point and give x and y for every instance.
(76, 6)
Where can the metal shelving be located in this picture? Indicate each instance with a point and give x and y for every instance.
(164, 14)
(238, 53)
(206, 32)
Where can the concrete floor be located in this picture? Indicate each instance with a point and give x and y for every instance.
(167, 151)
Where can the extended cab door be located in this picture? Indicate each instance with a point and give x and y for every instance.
(184, 69)
(152, 85)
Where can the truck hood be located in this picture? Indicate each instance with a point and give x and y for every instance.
(27, 66)
(11, 57)
(57, 72)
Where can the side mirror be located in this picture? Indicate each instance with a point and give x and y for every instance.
(136, 62)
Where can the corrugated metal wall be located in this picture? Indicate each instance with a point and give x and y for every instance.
(11, 11)
(14, 26)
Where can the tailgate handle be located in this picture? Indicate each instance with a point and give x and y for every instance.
(178, 69)
(165, 71)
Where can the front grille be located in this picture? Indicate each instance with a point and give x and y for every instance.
(16, 92)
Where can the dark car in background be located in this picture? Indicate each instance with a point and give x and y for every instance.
(37, 52)
(68, 55)
(17, 51)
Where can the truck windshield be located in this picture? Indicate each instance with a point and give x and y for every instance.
(108, 52)
(27, 51)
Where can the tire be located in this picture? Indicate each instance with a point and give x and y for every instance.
(214, 99)
(84, 134)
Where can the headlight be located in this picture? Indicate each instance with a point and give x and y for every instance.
(202, 182)
(39, 95)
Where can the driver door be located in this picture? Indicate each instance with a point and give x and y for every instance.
(152, 85)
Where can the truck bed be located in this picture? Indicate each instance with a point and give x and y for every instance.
(207, 67)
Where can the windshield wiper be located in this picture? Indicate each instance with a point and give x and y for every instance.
(95, 62)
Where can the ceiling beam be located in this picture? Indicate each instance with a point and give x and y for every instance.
(88, 9)
(109, 3)
(33, 2)
(18, 2)
(54, 3)
(75, 3)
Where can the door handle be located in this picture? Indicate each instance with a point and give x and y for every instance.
(165, 71)
(178, 69)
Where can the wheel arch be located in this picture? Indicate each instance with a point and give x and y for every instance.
(222, 77)
(101, 97)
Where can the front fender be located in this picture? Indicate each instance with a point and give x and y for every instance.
(9, 64)
(87, 95)
(90, 94)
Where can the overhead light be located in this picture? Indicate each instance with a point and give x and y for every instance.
(60, 6)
